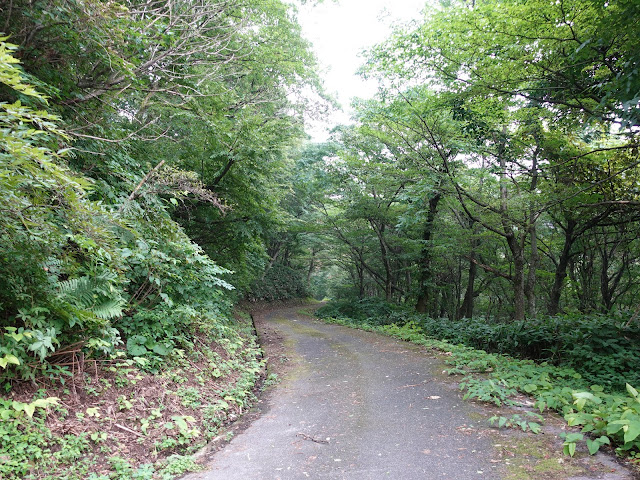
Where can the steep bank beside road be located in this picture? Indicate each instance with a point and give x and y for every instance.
(116, 420)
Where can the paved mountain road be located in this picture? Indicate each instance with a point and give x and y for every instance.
(357, 405)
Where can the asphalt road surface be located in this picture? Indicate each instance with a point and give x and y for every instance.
(357, 405)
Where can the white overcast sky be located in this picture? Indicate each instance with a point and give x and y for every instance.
(339, 31)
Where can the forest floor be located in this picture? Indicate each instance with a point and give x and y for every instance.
(354, 404)
(115, 420)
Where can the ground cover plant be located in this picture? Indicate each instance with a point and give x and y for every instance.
(117, 420)
(605, 415)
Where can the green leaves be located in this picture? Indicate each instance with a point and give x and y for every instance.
(632, 430)
(11, 75)
(139, 345)
(496, 391)
(135, 345)
(570, 441)
(30, 408)
(507, 48)
(43, 342)
(594, 445)
(8, 360)
(523, 422)
(614, 418)
(80, 264)
(581, 399)
(629, 426)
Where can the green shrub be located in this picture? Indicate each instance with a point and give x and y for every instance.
(59, 278)
(601, 348)
(24, 439)
(372, 310)
(281, 282)
(81, 263)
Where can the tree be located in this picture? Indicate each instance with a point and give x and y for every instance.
(147, 95)
(504, 81)
(578, 57)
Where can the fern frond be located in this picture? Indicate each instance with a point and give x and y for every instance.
(78, 291)
(111, 308)
(94, 295)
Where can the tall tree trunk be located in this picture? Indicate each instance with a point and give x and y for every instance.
(582, 274)
(425, 274)
(273, 257)
(561, 268)
(312, 265)
(518, 278)
(609, 282)
(361, 277)
(515, 246)
(384, 254)
(605, 291)
(530, 288)
(518, 285)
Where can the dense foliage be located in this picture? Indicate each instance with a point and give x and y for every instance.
(496, 172)
(143, 146)
(107, 112)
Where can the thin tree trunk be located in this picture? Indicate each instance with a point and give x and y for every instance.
(466, 310)
(361, 268)
(134, 193)
(533, 239)
(518, 285)
(312, 265)
(216, 181)
(272, 260)
(384, 254)
(516, 248)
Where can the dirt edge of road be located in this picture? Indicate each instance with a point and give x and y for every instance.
(282, 362)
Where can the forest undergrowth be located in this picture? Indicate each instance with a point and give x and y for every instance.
(120, 354)
(132, 418)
